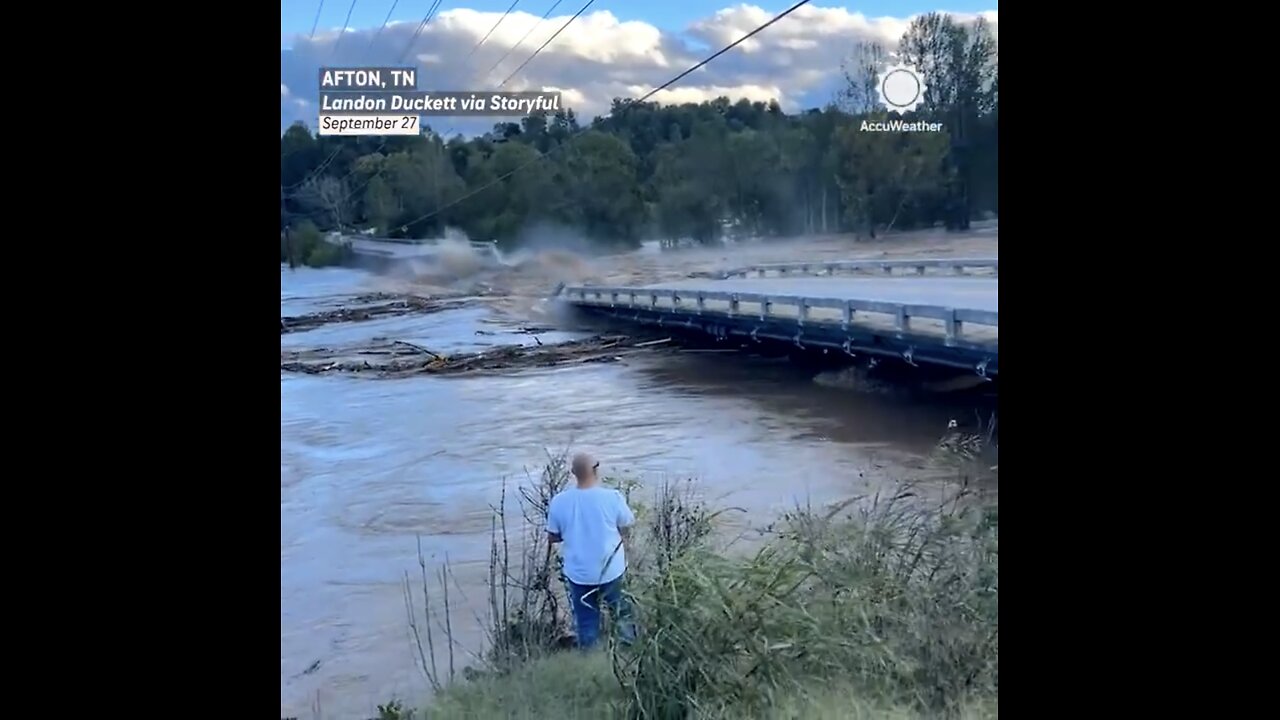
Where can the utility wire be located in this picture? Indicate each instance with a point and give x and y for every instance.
(316, 173)
(316, 23)
(426, 19)
(548, 42)
(520, 42)
(343, 30)
(385, 20)
(495, 27)
(645, 97)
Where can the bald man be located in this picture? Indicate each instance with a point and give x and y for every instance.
(592, 523)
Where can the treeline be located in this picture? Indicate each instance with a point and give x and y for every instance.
(692, 171)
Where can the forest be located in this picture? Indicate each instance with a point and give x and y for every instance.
(681, 173)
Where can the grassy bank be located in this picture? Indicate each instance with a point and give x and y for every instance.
(881, 607)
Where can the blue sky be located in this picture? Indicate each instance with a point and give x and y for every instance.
(614, 50)
(297, 16)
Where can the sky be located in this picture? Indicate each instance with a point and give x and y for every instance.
(615, 49)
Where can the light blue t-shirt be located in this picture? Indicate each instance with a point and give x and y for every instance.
(587, 521)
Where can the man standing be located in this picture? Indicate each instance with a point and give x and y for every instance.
(592, 522)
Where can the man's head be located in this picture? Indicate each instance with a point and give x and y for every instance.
(584, 468)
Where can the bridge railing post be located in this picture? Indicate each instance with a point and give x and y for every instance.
(765, 304)
(733, 304)
(953, 326)
(613, 299)
(803, 308)
(902, 321)
(702, 302)
(846, 315)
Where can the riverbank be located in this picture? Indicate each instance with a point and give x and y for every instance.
(881, 606)
(369, 464)
(578, 687)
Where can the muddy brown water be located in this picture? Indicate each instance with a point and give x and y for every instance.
(366, 466)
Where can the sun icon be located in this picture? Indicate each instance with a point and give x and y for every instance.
(901, 88)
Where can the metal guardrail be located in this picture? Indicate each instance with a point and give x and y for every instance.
(955, 266)
(953, 319)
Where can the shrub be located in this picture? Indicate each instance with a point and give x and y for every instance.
(883, 606)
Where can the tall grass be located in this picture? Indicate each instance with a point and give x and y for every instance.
(884, 606)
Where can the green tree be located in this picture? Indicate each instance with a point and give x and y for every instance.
(681, 171)
(959, 62)
(381, 205)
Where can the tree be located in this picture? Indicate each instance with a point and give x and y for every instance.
(682, 171)
(327, 195)
(958, 63)
(862, 74)
(599, 178)
(381, 205)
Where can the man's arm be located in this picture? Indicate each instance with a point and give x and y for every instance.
(553, 526)
(625, 518)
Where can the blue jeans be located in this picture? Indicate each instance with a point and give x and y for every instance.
(584, 600)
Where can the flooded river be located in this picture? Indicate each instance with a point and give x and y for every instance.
(368, 464)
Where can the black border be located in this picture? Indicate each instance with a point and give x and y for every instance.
(213, 425)
(201, 530)
(1072, 185)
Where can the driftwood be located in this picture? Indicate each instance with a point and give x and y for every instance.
(401, 359)
(399, 305)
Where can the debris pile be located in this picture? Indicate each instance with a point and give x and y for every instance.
(390, 306)
(396, 358)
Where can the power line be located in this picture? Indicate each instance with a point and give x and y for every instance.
(316, 172)
(426, 19)
(443, 137)
(646, 96)
(504, 57)
(495, 27)
(548, 42)
(316, 24)
(520, 42)
(343, 30)
(430, 14)
(724, 50)
(384, 24)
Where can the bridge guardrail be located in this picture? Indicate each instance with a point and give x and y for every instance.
(956, 266)
(953, 319)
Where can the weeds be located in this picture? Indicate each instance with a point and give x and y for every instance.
(891, 600)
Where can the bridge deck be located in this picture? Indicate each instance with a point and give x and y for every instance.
(944, 320)
(956, 292)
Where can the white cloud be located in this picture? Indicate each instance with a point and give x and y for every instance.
(599, 58)
(678, 94)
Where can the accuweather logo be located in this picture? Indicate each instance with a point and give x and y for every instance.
(901, 88)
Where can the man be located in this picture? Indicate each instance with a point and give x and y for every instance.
(592, 522)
